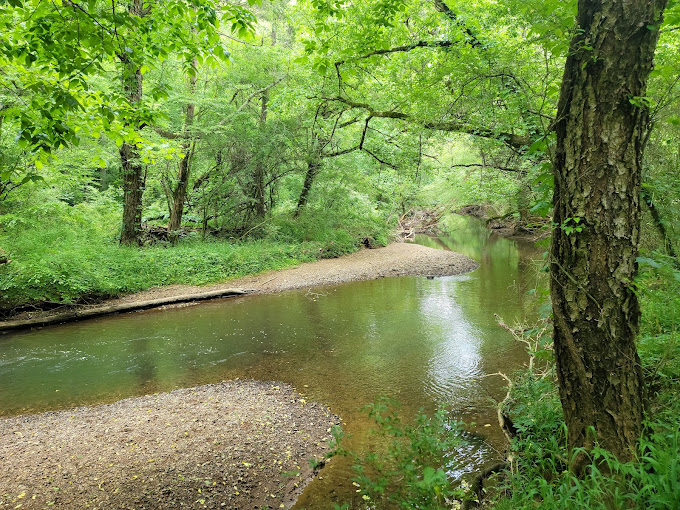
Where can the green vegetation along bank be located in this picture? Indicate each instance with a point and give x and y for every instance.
(60, 254)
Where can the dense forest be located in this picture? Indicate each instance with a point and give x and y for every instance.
(149, 143)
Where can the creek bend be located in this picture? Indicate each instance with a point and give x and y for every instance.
(425, 342)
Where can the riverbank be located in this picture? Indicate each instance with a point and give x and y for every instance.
(507, 225)
(237, 445)
(397, 259)
(59, 255)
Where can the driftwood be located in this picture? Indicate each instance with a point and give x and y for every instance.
(419, 222)
(98, 311)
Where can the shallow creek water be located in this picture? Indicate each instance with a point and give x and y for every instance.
(425, 342)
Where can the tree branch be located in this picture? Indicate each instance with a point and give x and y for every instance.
(511, 139)
(397, 49)
(170, 135)
(251, 97)
(472, 40)
(502, 168)
(340, 153)
(378, 159)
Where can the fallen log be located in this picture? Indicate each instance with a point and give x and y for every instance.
(98, 311)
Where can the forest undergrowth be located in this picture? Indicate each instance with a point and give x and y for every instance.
(61, 254)
(538, 474)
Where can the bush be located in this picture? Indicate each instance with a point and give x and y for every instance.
(540, 477)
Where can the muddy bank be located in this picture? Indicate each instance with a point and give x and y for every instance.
(237, 444)
(397, 259)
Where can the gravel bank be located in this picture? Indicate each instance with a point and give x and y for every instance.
(238, 445)
(397, 259)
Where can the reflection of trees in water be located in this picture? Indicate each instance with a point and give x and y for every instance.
(145, 365)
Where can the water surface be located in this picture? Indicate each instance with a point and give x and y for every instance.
(426, 342)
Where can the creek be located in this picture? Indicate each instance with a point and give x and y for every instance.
(426, 342)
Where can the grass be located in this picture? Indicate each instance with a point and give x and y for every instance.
(539, 477)
(66, 254)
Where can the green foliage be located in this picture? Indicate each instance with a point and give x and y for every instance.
(536, 414)
(658, 285)
(335, 232)
(570, 225)
(411, 473)
(653, 481)
(55, 51)
(540, 478)
(65, 253)
(468, 180)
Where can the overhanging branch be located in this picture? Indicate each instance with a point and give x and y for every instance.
(399, 49)
(339, 153)
(511, 139)
(472, 40)
(382, 161)
(502, 168)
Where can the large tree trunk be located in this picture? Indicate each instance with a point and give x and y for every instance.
(133, 171)
(188, 147)
(133, 188)
(179, 196)
(597, 167)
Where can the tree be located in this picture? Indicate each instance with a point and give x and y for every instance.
(177, 196)
(53, 55)
(134, 177)
(601, 121)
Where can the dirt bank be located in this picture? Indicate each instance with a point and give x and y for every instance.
(238, 445)
(398, 259)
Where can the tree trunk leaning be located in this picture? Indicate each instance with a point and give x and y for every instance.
(313, 168)
(188, 147)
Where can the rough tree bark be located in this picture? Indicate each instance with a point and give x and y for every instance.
(134, 178)
(179, 194)
(600, 126)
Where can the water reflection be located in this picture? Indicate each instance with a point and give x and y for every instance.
(424, 342)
